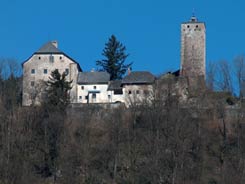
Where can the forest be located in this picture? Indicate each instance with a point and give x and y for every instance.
(201, 141)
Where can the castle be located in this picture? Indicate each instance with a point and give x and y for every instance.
(96, 87)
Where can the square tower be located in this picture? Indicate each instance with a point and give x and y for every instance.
(193, 48)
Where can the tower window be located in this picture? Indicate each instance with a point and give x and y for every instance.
(39, 57)
(82, 87)
(60, 57)
(196, 26)
(129, 92)
(80, 97)
(33, 71)
(94, 87)
(188, 26)
(45, 71)
(32, 83)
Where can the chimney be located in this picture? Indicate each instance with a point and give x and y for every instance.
(55, 43)
(129, 70)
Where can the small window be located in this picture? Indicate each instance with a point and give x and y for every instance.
(129, 92)
(137, 92)
(80, 97)
(51, 58)
(33, 71)
(196, 26)
(32, 83)
(60, 58)
(188, 26)
(94, 96)
(94, 87)
(109, 97)
(39, 58)
(67, 71)
(82, 87)
(146, 92)
(45, 71)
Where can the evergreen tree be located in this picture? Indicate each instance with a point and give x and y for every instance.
(115, 57)
(58, 90)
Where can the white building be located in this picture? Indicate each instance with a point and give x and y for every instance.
(92, 87)
(115, 92)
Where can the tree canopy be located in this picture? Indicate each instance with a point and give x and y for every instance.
(115, 57)
(58, 89)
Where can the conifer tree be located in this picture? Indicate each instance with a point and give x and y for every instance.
(115, 56)
(58, 90)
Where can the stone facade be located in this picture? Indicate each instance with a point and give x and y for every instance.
(136, 87)
(38, 68)
(193, 48)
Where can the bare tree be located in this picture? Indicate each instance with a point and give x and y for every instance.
(224, 81)
(211, 72)
(239, 67)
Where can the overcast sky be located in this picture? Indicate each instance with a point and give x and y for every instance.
(150, 29)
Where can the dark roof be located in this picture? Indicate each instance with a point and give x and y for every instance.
(93, 78)
(49, 48)
(115, 85)
(139, 77)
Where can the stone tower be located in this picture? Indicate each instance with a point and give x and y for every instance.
(193, 49)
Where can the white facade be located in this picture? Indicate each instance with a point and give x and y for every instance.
(92, 93)
(115, 98)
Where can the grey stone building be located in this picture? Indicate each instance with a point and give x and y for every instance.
(38, 68)
(193, 49)
(138, 87)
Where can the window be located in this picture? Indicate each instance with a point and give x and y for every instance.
(82, 87)
(45, 71)
(60, 57)
(188, 26)
(94, 87)
(196, 26)
(94, 96)
(39, 57)
(118, 92)
(146, 92)
(129, 92)
(33, 71)
(80, 97)
(51, 58)
(32, 83)
(67, 71)
(137, 92)
(109, 97)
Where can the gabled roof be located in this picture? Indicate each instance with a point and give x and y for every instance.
(93, 78)
(49, 48)
(115, 85)
(139, 77)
